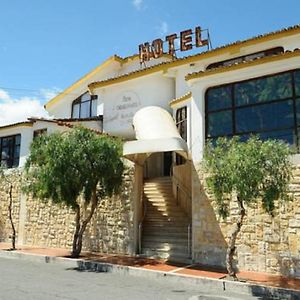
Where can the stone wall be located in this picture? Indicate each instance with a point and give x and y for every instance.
(13, 178)
(52, 225)
(265, 243)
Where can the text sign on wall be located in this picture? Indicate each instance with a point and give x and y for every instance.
(188, 39)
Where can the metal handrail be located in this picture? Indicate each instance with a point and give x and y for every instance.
(141, 225)
(189, 240)
(181, 186)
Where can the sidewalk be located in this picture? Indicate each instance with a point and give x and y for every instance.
(161, 266)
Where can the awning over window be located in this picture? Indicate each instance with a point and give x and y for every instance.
(155, 132)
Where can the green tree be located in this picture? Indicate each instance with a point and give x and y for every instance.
(246, 171)
(78, 165)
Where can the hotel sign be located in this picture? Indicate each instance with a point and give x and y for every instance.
(188, 40)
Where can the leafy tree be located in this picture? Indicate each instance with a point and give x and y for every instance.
(247, 171)
(78, 164)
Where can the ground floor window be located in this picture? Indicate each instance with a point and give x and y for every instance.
(10, 150)
(268, 106)
(39, 132)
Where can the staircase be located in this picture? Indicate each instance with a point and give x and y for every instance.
(166, 225)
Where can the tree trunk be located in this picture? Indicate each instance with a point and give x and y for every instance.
(232, 240)
(77, 242)
(77, 228)
(13, 236)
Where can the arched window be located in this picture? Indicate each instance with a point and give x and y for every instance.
(84, 106)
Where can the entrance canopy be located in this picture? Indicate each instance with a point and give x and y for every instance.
(155, 132)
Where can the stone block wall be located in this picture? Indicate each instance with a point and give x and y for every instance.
(265, 243)
(51, 225)
(13, 178)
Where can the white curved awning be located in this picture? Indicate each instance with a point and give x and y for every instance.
(156, 132)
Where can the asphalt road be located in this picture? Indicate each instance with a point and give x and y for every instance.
(22, 280)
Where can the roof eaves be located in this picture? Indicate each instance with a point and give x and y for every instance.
(18, 124)
(127, 76)
(180, 99)
(257, 61)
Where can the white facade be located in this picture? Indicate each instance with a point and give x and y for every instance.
(123, 87)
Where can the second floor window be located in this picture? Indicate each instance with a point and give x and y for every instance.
(84, 106)
(181, 122)
(10, 151)
(268, 106)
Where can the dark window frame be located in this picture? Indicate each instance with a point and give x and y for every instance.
(12, 161)
(78, 101)
(39, 132)
(233, 109)
(181, 124)
(181, 121)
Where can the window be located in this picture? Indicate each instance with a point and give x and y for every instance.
(181, 124)
(39, 132)
(84, 107)
(181, 121)
(268, 106)
(249, 57)
(10, 151)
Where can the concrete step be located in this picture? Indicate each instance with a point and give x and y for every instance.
(166, 226)
(164, 233)
(179, 240)
(159, 193)
(164, 209)
(170, 256)
(153, 185)
(160, 199)
(166, 247)
(169, 219)
(163, 206)
(164, 214)
(156, 179)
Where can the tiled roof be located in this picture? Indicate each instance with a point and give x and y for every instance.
(256, 61)
(24, 123)
(188, 59)
(70, 123)
(179, 99)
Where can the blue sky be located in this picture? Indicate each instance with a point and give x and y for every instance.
(47, 45)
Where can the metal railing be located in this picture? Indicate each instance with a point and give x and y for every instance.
(188, 197)
(141, 225)
(189, 241)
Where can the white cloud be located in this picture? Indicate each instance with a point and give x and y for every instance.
(48, 94)
(4, 96)
(18, 109)
(163, 28)
(138, 4)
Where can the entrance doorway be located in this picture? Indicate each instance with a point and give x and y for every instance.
(158, 165)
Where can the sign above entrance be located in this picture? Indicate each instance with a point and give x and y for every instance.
(188, 40)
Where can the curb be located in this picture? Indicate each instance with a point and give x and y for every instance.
(218, 285)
